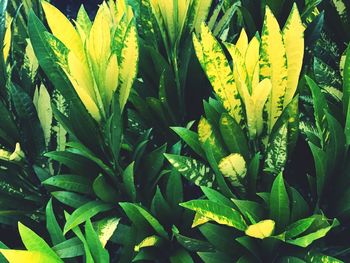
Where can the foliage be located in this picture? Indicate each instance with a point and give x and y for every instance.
(92, 110)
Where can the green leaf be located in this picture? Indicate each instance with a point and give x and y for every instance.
(70, 182)
(220, 237)
(70, 248)
(252, 173)
(320, 107)
(192, 244)
(316, 257)
(99, 254)
(299, 207)
(181, 256)
(249, 209)
(129, 181)
(140, 216)
(190, 138)
(33, 242)
(346, 86)
(192, 170)
(174, 190)
(79, 234)
(77, 163)
(306, 240)
(320, 159)
(160, 207)
(218, 176)
(214, 257)
(298, 227)
(71, 199)
(216, 196)
(52, 226)
(84, 213)
(31, 129)
(221, 214)
(279, 203)
(104, 189)
(233, 136)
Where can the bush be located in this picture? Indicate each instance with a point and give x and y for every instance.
(175, 131)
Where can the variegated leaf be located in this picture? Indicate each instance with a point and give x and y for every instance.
(215, 65)
(277, 150)
(221, 214)
(234, 168)
(128, 64)
(42, 103)
(192, 170)
(273, 65)
(293, 38)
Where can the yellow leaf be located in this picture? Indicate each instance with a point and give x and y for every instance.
(199, 219)
(83, 23)
(148, 242)
(273, 65)
(63, 29)
(215, 65)
(293, 36)
(242, 42)
(83, 85)
(17, 256)
(99, 47)
(7, 38)
(252, 59)
(239, 70)
(111, 78)
(128, 64)
(233, 166)
(261, 229)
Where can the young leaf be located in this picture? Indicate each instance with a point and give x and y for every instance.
(261, 229)
(14, 256)
(33, 242)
